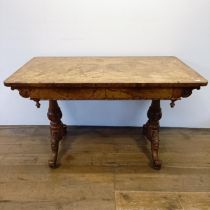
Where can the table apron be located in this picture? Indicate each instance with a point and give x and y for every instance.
(103, 93)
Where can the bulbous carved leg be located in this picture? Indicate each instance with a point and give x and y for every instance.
(57, 129)
(151, 131)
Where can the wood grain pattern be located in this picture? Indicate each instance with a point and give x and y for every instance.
(154, 201)
(102, 93)
(114, 78)
(106, 72)
(104, 167)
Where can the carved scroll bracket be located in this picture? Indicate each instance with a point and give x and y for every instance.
(25, 93)
(186, 92)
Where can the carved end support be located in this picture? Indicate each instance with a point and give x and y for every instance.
(57, 130)
(151, 131)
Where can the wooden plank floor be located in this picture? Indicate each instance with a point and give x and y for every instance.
(104, 168)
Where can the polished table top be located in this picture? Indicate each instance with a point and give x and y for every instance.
(165, 71)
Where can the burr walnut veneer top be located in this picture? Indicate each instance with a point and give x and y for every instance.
(105, 72)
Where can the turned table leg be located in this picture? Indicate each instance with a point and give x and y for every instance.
(57, 130)
(151, 130)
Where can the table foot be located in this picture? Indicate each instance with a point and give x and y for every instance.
(57, 130)
(151, 131)
(52, 163)
(157, 164)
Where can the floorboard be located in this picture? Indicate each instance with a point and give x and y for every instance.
(104, 168)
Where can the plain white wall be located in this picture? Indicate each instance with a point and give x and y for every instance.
(111, 27)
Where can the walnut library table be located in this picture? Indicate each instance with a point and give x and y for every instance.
(105, 78)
